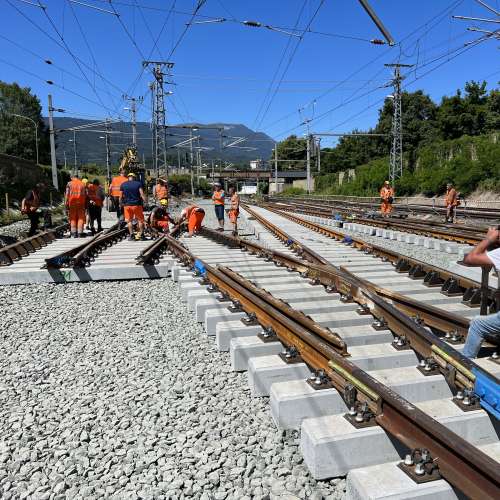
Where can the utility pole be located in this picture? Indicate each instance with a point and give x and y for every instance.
(319, 154)
(276, 167)
(55, 182)
(133, 113)
(159, 116)
(75, 166)
(396, 159)
(108, 154)
(191, 159)
(65, 163)
(308, 163)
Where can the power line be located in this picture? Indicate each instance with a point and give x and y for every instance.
(61, 45)
(82, 32)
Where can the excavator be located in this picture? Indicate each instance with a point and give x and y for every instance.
(130, 163)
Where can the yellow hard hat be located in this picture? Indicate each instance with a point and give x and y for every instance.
(164, 202)
(386, 182)
(85, 180)
(131, 174)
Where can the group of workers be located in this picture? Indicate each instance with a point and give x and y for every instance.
(84, 201)
(451, 201)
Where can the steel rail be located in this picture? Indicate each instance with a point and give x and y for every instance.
(473, 293)
(478, 212)
(462, 234)
(460, 372)
(84, 253)
(460, 463)
(16, 251)
(403, 316)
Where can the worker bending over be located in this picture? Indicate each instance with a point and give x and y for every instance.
(132, 200)
(30, 206)
(451, 202)
(194, 216)
(387, 198)
(219, 198)
(76, 203)
(486, 253)
(115, 193)
(234, 211)
(95, 193)
(159, 218)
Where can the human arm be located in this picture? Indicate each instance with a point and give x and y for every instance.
(478, 256)
(143, 196)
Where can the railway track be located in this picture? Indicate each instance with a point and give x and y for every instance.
(272, 301)
(460, 233)
(351, 350)
(403, 209)
(53, 257)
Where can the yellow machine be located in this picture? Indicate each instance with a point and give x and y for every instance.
(130, 163)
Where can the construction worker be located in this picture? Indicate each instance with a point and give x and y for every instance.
(30, 206)
(450, 202)
(115, 193)
(485, 254)
(95, 193)
(132, 200)
(76, 203)
(194, 216)
(219, 198)
(387, 198)
(234, 211)
(160, 191)
(159, 218)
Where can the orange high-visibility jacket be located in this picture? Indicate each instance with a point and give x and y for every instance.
(386, 193)
(450, 197)
(189, 210)
(116, 182)
(218, 197)
(76, 193)
(93, 194)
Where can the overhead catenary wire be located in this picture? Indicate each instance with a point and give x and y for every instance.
(61, 45)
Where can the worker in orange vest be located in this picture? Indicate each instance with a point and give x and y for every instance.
(194, 216)
(30, 206)
(76, 203)
(234, 211)
(95, 193)
(160, 191)
(387, 198)
(115, 192)
(451, 202)
(159, 218)
(219, 198)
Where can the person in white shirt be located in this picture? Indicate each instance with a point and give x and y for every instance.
(486, 253)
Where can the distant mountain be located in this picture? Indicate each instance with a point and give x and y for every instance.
(90, 144)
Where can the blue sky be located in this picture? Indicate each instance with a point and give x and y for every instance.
(224, 71)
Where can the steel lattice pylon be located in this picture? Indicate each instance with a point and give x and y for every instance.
(396, 158)
(158, 121)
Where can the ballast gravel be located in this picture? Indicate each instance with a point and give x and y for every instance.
(111, 390)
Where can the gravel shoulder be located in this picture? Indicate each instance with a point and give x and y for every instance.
(111, 390)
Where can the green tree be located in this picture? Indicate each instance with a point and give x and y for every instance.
(17, 135)
(293, 149)
(464, 115)
(418, 122)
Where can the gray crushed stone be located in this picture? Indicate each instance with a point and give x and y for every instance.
(111, 390)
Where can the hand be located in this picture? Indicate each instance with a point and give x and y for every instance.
(493, 235)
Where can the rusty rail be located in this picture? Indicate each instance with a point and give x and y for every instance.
(11, 253)
(463, 465)
(473, 293)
